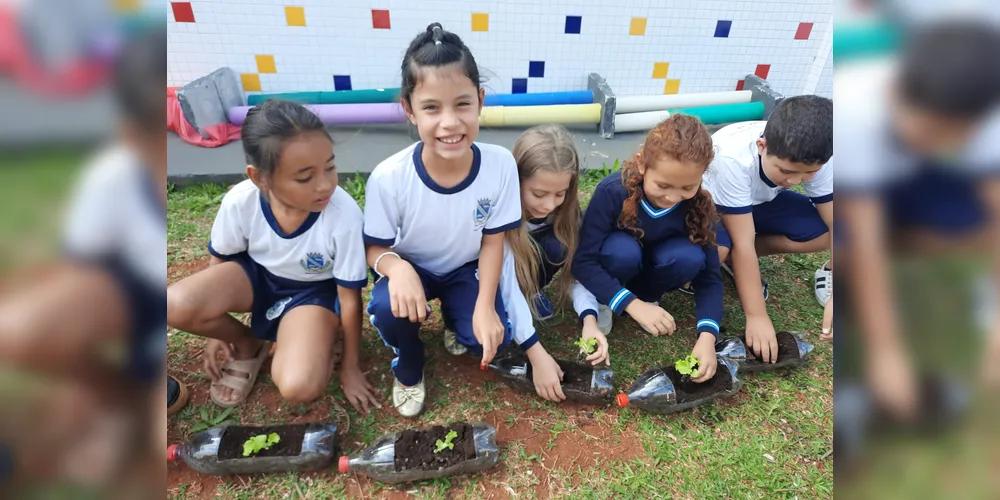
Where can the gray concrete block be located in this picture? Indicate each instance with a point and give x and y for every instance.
(604, 96)
(761, 91)
(206, 101)
(227, 85)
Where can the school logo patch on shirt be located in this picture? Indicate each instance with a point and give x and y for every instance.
(482, 214)
(277, 308)
(314, 263)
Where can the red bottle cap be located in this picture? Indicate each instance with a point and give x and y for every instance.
(344, 464)
(172, 453)
(484, 367)
(622, 400)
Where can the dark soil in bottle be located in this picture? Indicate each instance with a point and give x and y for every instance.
(231, 445)
(415, 448)
(575, 376)
(788, 348)
(688, 390)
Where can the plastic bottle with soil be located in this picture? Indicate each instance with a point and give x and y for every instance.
(792, 352)
(219, 450)
(663, 390)
(581, 382)
(410, 455)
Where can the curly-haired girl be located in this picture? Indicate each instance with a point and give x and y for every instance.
(650, 230)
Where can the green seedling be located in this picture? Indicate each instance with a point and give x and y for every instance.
(587, 346)
(260, 442)
(439, 446)
(687, 366)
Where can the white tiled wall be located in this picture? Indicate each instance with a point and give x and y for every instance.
(339, 39)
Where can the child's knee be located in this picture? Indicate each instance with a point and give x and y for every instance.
(183, 308)
(621, 256)
(300, 386)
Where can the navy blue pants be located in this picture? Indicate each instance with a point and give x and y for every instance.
(458, 291)
(553, 251)
(652, 270)
(789, 214)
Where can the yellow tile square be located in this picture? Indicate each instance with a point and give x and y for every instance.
(480, 21)
(295, 16)
(265, 64)
(660, 69)
(672, 87)
(251, 82)
(126, 6)
(638, 27)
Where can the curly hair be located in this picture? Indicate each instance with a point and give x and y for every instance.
(683, 138)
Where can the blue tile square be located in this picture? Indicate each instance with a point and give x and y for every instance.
(520, 86)
(573, 24)
(722, 29)
(536, 69)
(342, 82)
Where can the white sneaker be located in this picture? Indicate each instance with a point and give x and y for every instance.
(452, 345)
(408, 400)
(823, 284)
(605, 317)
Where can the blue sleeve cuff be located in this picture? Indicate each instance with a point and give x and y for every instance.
(588, 312)
(734, 210)
(532, 340)
(382, 242)
(504, 228)
(621, 300)
(355, 285)
(708, 325)
(822, 199)
(216, 254)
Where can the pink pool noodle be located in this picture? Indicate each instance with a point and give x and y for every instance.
(341, 114)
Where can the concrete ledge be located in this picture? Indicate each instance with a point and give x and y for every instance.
(604, 96)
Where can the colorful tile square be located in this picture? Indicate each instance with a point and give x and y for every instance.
(182, 12)
(637, 27)
(519, 86)
(342, 82)
(126, 6)
(536, 69)
(480, 21)
(740, 84)
(672, 86)
(573, 25)
(265, 64)
(660, 69)
(380, 19)
(295, 16)
(762, 70)
(722, 29)
(805, 29)
(251, 82)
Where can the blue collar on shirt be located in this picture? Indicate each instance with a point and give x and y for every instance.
(655, 212)
(271, 221)
(418, 162)
(760, 168)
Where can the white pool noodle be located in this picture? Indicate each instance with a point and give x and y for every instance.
(640, 103)
(632, 122)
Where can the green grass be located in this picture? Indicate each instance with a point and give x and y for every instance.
(772, 440)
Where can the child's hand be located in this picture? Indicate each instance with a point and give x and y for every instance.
(358, 391)
(651, 318)
(991, 367)
(546, 374)
(406, 293)
(761, 339)
(827, 328)
(590, 331)
(892, 381)
(704, 351)
(488, 330)
(211, 362)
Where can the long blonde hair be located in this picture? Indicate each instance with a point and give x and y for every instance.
(546, 148)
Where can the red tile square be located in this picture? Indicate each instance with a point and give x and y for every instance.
(762, 70)
(380, 19)
(182, 12)
(805, 29)
(739, 84)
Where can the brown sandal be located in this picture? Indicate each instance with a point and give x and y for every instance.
(239, 375)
